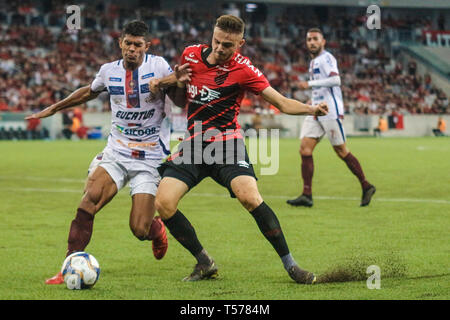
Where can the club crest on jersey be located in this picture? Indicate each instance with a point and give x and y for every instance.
(221, 77)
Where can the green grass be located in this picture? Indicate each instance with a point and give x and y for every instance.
(405, 230)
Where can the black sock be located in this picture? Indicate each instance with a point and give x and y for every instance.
(270, 227)
(180, 227)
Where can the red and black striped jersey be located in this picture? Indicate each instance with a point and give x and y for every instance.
(215, 92)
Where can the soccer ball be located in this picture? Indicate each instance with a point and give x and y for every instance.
(80, 271)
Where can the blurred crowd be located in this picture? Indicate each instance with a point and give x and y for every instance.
(42, 62)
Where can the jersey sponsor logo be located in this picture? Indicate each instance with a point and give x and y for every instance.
(116, 90)
(316, 70)
(146, 145)
(206, 94)
(243, 163)
(145, 88)
(136, 132)
(114, 79)
(148, 75)
(243, 60)
(135, 115)
(190, 58)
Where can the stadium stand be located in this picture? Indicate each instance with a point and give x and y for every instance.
(41, 61)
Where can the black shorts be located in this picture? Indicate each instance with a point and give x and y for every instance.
(234, 163)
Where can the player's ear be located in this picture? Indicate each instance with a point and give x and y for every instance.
(241, 43)
(148, 44)
(120, 42)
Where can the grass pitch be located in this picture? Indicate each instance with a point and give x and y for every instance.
(404, 231)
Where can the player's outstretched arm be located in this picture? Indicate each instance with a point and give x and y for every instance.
(176, 84)
(77, 97)
(180, 77)
(291, 106)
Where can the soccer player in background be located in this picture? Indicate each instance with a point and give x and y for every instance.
(219, 77)
(325, 83)
(137, 144)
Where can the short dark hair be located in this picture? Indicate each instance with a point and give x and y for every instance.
(231, 24)
(136, 28)
(315, 30)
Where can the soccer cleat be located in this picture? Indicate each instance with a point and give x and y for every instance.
(57, 279)
(203, 272)
(367, 195)
(159, 235)
(302, 200)
(301, 276)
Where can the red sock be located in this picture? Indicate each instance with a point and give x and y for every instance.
(80, 231)
(355, 168)
(155, 229)
(307, 174)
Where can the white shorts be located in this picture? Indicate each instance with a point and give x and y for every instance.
(142, 175)
(334, 130)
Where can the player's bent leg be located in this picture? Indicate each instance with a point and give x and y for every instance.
(341, 150)
(246, 190)
(307, 147)
(145, 226)
(99, 190)
(368, 190)
(141, 215)
(170, 192)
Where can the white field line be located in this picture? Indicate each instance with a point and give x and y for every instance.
(225, 195)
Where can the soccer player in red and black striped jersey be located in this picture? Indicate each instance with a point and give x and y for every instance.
(217, 79)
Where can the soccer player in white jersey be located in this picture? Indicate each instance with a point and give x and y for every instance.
(137, 144)
(325, 84)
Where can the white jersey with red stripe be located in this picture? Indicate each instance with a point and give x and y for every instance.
(139, 122)
(321, 67)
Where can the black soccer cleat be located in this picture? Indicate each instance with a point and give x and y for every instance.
(367, 195)
(303, 200)
(301, 276)
(203, 272)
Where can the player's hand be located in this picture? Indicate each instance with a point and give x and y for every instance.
(183, 73)
(155, 90)
(154, 86)
(303, 85)
(320, 109)
(47, 112)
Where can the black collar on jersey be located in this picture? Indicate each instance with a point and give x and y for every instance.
(205, 55)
